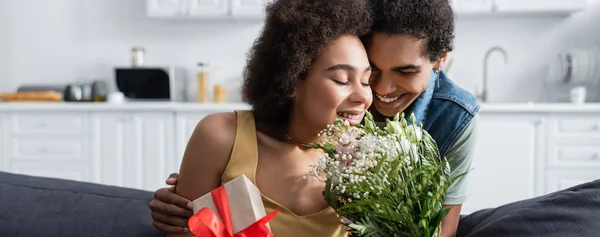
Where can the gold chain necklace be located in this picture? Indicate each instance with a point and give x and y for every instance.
(296, 142)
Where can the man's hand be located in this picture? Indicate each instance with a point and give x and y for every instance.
(170, 211)
(450, 222)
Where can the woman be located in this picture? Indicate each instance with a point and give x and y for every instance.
(409, 42)
(307, 68)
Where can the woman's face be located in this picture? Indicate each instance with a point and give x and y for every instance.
(401, 72)
(337, 85)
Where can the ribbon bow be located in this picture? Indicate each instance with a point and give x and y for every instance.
(205, 223)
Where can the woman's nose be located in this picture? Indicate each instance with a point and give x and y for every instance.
(362, 95)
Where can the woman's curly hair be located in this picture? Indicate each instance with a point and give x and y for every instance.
(432, 20)
(291, 40)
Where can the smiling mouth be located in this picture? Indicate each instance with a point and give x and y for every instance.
(387, 99)
(349, 116)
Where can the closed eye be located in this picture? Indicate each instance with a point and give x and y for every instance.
(405, 72)
(341, 83)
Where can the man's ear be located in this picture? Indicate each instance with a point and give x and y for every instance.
(293, 93)
(440, 62)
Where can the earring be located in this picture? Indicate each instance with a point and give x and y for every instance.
(437, 72)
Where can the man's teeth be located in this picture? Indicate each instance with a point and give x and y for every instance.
(387, 100)
(349, 116)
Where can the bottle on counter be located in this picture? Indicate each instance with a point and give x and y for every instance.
(220, 94)
(202, 82)
(138, 55)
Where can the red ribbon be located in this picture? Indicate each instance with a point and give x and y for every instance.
(205, 223)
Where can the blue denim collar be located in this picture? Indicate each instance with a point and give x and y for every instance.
(420, 106)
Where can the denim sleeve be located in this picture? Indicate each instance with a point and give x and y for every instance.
(461, 153)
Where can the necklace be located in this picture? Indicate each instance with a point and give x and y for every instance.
(295, 142)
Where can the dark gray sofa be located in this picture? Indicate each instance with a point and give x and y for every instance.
(34, 206)
(573, 212)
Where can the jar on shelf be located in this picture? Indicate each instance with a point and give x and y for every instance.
(138, 55)
(219, 93)
(203, 83)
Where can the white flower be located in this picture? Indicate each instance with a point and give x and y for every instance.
(336, 180)
(405, 145)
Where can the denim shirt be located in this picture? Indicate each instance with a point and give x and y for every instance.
(445, 110)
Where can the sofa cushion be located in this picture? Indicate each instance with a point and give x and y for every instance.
(573, 212)
(36, 206)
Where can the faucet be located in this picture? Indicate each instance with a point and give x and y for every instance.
(483, 95)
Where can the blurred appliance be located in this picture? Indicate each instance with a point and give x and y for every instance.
(151, 83)
(95, 91)
(574, 68)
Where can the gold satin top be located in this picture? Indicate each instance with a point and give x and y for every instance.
(244, 160)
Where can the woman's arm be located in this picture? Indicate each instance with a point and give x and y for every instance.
(206, 157)
(462, 152)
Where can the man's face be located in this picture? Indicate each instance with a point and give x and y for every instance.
(401, 71)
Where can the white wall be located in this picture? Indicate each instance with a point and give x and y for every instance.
(60, 41)
(581, 30)
(523, 38)
(5, 46)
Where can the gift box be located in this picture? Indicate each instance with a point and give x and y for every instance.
(234, 209)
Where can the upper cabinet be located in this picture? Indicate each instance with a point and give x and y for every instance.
(540, 5)
(166, 8)
(206, 9)
(248, 8)
(255, 9)
(472, 6)
(524, 7)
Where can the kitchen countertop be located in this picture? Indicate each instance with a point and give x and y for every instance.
(187, 106)
(539, 107)
(128, 106)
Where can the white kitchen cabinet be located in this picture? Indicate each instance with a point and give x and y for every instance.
(517, 7)
(55, 145)
(540, 6)
(3, 137)
(560, 179)
(573, 151)
(167, 8)
(133, 149)
(507, 149)
(472, 6)
(248, 8)
(208, 8)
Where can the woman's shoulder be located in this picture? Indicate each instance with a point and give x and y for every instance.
(215, 130)
(206, 154)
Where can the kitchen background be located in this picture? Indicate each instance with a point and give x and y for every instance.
(546, 145)
(62, 41)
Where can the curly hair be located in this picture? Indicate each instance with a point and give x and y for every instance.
(432, 20)
(291, 40)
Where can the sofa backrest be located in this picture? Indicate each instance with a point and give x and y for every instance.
(37, 206)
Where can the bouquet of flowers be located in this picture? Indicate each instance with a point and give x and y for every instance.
(384, 182)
